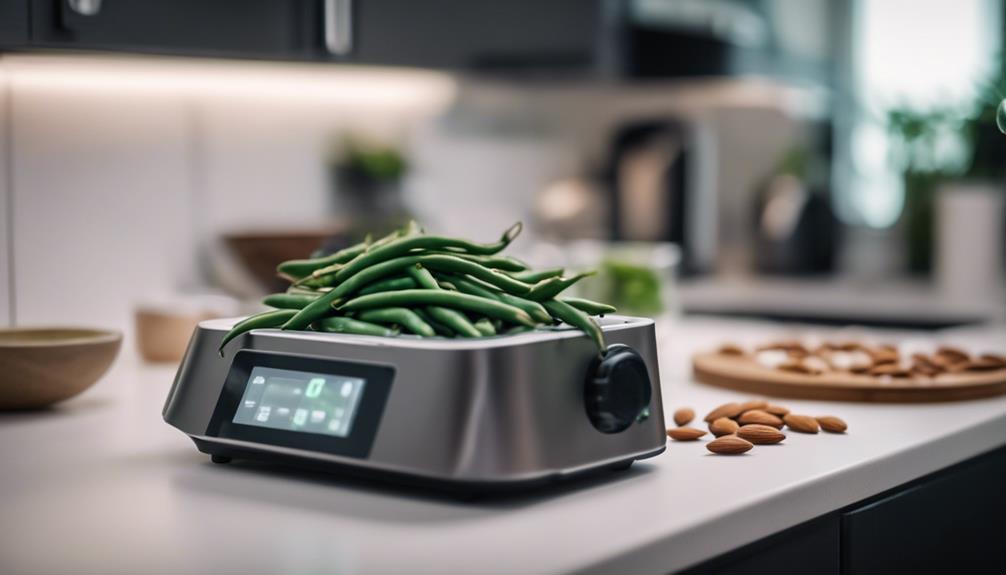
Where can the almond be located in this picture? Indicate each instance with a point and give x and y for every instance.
(891, 369)
(796, 366)
(832, 424)
(729, 445)
(776, 410)
(685, 433)
(730, 349)
(802, 423)
(982, 364)
(994, 357)
(730, 410)
(954, 354)
(684, 416)
(860, 367)
(760, 434)
(760, 417)
(755, 404)
(723, 426)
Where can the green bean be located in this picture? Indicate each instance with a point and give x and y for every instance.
(405, 245)
(518, 329)
(350, 325)
(485, 327)
(578, 319)
(294, 290)
(496, 262)
(464, 285)
(289, 301)
(399, 316)
(551, 287)
(390, 284)
(443, 298)
(533, 277)
(476, 287)
(591, 307)
(462, 266)
(263, 320)
(321, 306)
(297, 269)
(438, 327)
(454, 320)
(422, 277)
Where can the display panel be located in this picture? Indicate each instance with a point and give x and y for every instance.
(300, 401)
(350, 395)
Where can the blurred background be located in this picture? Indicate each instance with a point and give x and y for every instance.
(808, 160)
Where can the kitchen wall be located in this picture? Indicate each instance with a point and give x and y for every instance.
(125, 172)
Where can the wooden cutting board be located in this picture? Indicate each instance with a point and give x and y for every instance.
(744, 373)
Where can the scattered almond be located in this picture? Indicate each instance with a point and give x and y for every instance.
(755, 404)
(730, 410)
(760, 434)
(723, 426)
(801, 423)
(685, 433)
(729, 445)
(832, 424)
(776, 410)
(760, 417)
(730, 349)
(684, 416)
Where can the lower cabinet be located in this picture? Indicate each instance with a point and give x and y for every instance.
(952, 521)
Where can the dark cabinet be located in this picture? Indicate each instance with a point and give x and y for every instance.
(947, 522)
(443, 34)
(14, 23)
(252, 28)
(477, 35)
(951, 522)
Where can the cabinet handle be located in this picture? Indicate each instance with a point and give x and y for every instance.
(85, 7)
(339, 26)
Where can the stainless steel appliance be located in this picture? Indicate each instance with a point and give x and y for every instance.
(469, 414)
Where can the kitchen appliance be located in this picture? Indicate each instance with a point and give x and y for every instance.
(661, 182)
(466, 414)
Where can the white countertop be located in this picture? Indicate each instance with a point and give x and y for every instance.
(102, 485)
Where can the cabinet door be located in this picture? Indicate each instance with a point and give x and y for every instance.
(13, 22)
(475, 34)
(253, 28)
(949, 523)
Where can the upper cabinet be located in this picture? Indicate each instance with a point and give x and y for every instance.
(614, 38)
(246, 28)
(448, 34)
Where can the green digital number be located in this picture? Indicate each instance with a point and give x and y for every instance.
(314, 387)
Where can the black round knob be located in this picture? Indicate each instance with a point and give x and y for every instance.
(618, 392)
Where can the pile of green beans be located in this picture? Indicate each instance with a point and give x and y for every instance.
(427, 286)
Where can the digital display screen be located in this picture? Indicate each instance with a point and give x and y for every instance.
(300, 401)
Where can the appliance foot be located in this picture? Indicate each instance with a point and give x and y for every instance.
(621, 465)
(220, 458)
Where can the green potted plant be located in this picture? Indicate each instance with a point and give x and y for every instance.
(367, 177)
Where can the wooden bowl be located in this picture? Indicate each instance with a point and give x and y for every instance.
(41, 366)
(260, 253)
